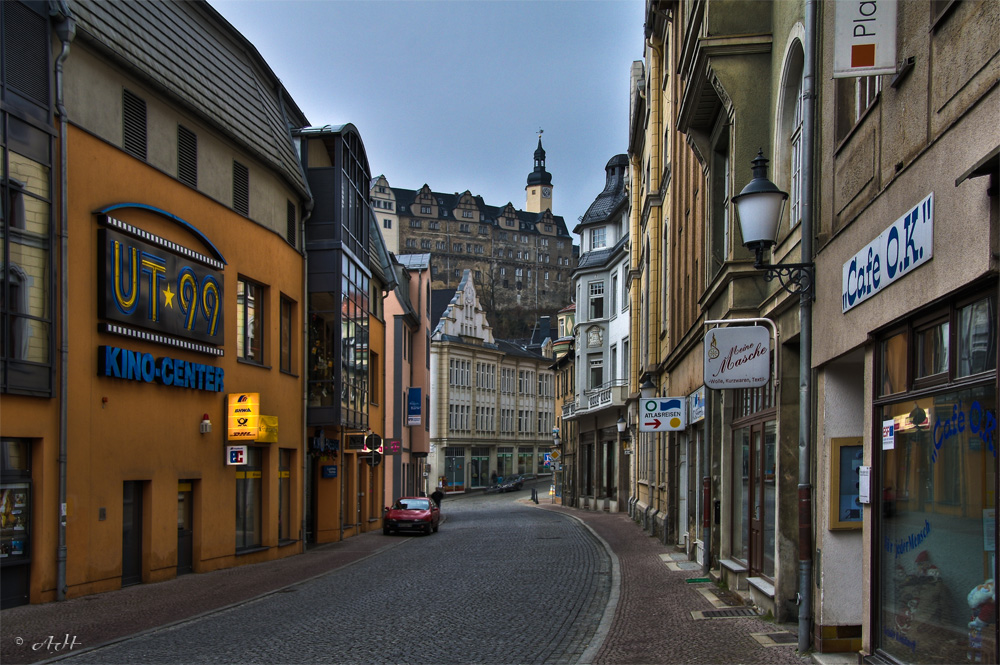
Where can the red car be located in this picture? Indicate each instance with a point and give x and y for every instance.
(412, 513)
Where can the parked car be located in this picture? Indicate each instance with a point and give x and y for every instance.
(511, 484)
(412, 513)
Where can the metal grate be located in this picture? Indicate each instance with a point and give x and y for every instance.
(187, 156)
(25, 52)
(241, 189)
(134, 124)
(725, 613)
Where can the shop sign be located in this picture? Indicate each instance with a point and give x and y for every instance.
(267, 429)
(131, 365)
(244, 412)
(158, 285)
(236, 455)
(898, 251)
(696, 404)
(395, 446)
(663, 414)
(864, 38)
(737, 357)
(888, 434)
(413, 406)
(329, 470)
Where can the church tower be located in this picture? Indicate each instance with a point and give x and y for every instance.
(538, 192)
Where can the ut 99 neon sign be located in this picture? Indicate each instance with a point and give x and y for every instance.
(153, 287)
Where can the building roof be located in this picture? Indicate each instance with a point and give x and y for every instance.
(614, 195)
(188, 52)
(414, 261)
(528, 221)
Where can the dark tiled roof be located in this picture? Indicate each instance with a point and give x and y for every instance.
(528, 221)
(593, 259)
(190, 52)
(614, 194)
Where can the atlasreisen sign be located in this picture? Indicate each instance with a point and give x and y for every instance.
(737, 357)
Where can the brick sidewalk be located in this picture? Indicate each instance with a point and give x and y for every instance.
(652, 621)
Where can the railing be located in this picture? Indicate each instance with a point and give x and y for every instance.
(613, 393)
(568, 409)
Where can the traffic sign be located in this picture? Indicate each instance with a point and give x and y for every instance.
(663, 414)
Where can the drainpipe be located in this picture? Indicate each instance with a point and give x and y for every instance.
(805, 332)
(66, 31)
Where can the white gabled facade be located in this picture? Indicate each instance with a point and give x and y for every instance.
(492, 402)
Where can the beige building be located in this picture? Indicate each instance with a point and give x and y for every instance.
(520, 260)
(492, 401)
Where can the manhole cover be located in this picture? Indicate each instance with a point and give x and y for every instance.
(783, 638)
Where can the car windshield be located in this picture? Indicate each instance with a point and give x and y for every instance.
(413, 504)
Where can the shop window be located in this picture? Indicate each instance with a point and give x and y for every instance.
(525, 460)
(932, 350)
(248, 501)
(892, 359)
(977, 339)
(505, 461)
(935, 486)
(249, 321)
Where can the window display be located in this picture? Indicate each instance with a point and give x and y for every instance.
(937, 548)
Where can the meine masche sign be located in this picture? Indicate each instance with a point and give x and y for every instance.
(737, 357)
(906, 244)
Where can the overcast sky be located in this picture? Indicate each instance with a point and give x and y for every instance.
(452, 93)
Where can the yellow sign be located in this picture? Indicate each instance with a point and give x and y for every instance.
(267, 429)
(243, 411)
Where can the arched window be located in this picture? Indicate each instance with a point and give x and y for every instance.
(789, 149)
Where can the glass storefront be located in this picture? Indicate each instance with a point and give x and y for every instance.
(937, 461)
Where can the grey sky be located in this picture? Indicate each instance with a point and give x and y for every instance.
(452, 93)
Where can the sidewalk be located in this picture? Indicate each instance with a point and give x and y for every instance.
(661, 616)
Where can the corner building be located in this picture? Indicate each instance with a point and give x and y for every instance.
(153, 276)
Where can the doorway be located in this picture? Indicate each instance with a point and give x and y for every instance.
(185, 514)
(131, 532)
(754, 515)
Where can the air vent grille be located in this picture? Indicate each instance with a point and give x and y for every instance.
(241, 189)
(290, 231)
(25, 52)
(134, 125)
(187, 156)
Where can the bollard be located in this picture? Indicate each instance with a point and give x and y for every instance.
(534, 495)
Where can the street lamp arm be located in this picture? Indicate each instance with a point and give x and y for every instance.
(793, 277)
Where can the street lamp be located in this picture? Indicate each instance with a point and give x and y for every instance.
(647, 389)
(759, 207)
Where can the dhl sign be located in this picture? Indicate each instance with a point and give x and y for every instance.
(243, 412)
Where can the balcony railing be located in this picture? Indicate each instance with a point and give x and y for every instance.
(613, 393)
(568, 409)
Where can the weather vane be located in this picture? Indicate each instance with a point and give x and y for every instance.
(540, 131)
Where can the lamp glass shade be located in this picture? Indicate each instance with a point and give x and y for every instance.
(621, 425)
(647, 389)
(759, 214)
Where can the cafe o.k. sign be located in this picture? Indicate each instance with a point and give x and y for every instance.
(737, 357)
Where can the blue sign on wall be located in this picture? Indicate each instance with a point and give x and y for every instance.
(329, 470)
(413, 406)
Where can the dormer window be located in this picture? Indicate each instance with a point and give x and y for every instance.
(598, 238)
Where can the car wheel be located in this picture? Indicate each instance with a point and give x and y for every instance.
(435, 528)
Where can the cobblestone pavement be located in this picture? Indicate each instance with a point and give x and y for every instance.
(652, 620)
(470, 593)
(504, 581)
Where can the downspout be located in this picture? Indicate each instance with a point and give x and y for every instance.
(805, 332)
(306, 214)
(66, 31)
(653, 225)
